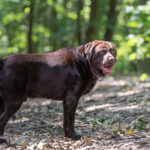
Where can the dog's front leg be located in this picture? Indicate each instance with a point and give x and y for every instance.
(69, 106)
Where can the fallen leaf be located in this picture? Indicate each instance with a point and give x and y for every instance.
(24, 144)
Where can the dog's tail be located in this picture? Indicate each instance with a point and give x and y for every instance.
(1, 66)
(1, 63)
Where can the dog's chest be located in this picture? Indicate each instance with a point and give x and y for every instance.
(89, 86)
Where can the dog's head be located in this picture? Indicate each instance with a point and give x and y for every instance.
(101, 56)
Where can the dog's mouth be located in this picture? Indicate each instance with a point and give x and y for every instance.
(105, 70)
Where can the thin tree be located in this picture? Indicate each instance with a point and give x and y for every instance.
(30, 27)
(92, 32)
(65, 3)
(53, 27)
(79, 8)
(142, 2)
(111, 20)
(145, 62)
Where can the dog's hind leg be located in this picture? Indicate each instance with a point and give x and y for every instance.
(1, 106)
(11, 105)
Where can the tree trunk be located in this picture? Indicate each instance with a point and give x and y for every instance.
(111, 20)
(144, 65)
(30, 28)
(79, 8)
(65, 3)
(142, 2)
(92, 32)
(53, 26)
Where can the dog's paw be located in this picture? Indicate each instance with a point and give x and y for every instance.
(2, 140)
(73, 136)
(76, 137)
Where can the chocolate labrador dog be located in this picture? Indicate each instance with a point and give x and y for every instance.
(65, 74)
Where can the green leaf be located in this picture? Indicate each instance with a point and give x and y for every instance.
(94, 122)
(132, 56)
(144, 76)
(101, 120)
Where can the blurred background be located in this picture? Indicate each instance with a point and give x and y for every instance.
(28, 26)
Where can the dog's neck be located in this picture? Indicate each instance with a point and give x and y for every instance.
(81, 53)
(80, 50)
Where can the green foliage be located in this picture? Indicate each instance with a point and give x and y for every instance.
(55, 26)
(133, 36)
(140, 124)
(138, 38)
(143, 76)
(101, 120)
(97, 121)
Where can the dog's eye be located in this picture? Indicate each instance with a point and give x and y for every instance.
(113, 52)
(103, 52)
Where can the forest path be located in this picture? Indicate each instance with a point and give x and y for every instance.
(114, 115)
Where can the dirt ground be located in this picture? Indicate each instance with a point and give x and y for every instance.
(115, 115)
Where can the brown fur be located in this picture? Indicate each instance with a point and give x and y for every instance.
(65, 75)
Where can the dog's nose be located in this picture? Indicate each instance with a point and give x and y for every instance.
(111, 61)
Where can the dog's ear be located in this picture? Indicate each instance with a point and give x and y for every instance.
(89, 48)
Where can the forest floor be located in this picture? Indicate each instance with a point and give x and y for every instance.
(115, 115)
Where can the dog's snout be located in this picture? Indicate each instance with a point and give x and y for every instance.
(111, 60)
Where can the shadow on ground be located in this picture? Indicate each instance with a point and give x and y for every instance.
(115, 115)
